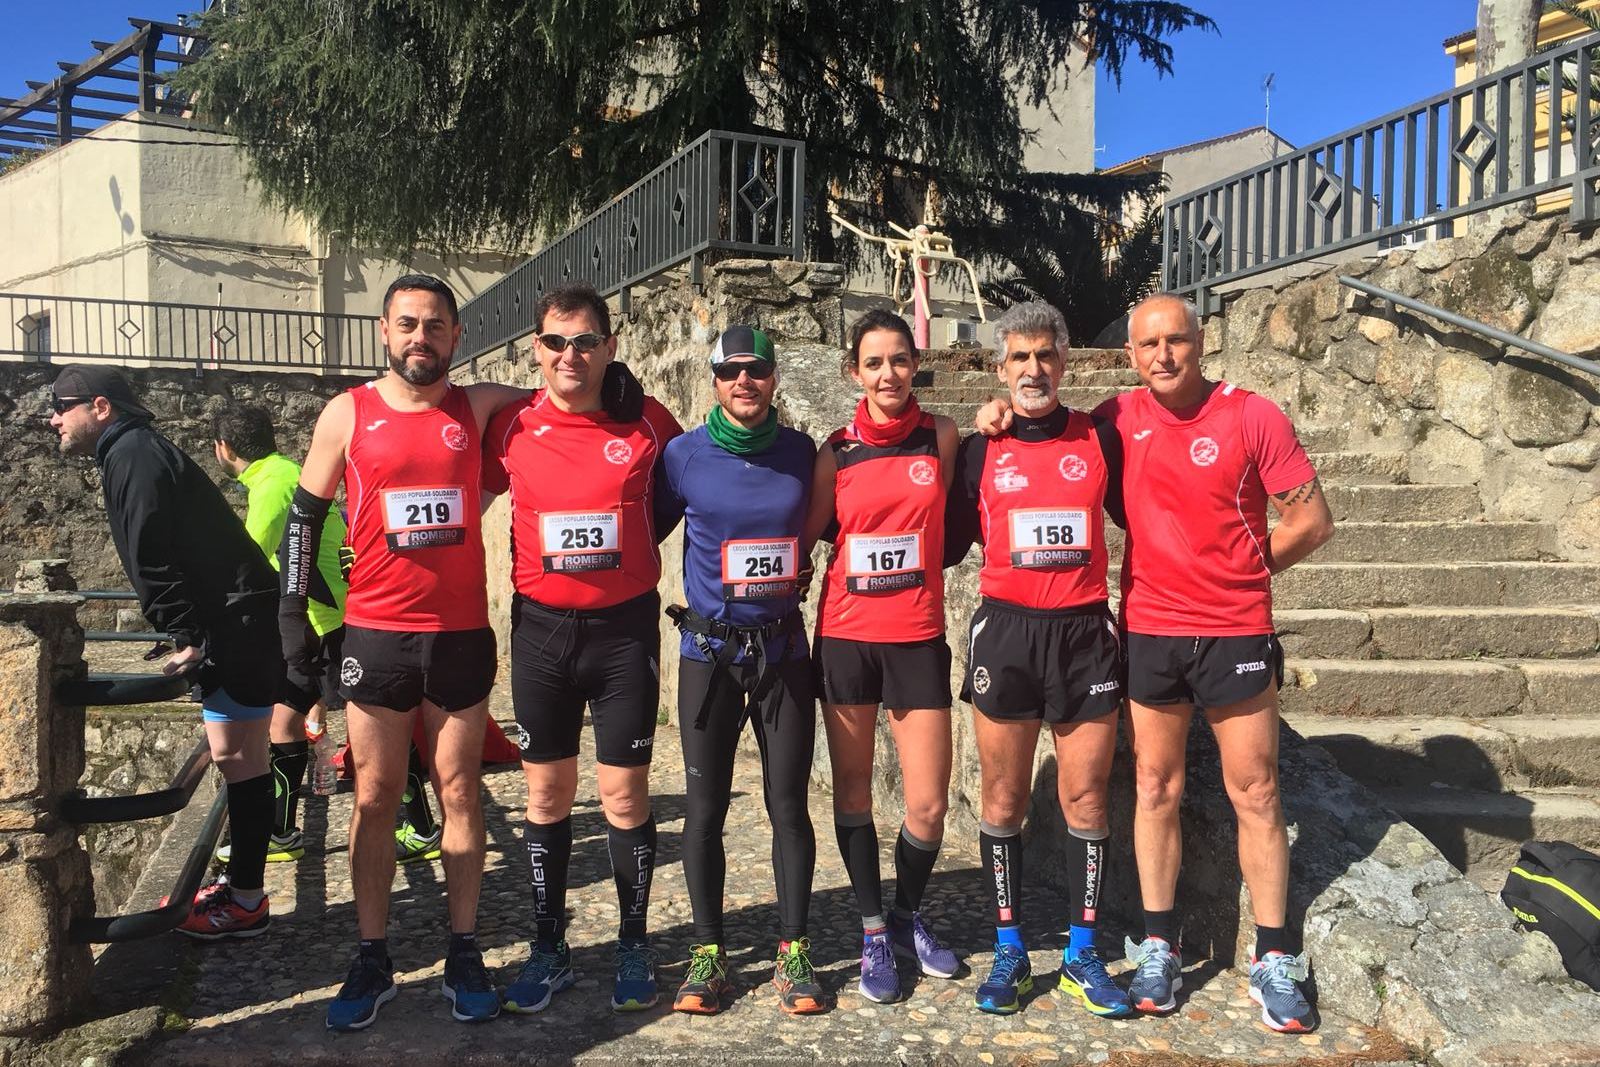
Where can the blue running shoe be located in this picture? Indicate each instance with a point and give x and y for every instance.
(1275, 985)
(547, 972)
(1157, 976)
(635, 986)
(368, 987)
(1085, 977)
(472, 995)
(914, 941)
(1010, 978)
(880, 980)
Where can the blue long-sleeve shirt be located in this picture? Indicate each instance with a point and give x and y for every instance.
(740, 513)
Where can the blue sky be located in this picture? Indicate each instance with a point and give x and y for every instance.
(1337, 64)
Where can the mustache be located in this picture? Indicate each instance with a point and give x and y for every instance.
(419, 350)
(1035, 381)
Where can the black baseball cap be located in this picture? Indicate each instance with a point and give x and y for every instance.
(92, 379)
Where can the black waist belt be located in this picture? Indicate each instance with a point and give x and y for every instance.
(752, 639)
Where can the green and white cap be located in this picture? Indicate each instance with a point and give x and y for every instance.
(743, 341)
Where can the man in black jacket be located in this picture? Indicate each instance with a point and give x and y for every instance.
(200, 578)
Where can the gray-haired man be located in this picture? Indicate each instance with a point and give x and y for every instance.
(1043, 647)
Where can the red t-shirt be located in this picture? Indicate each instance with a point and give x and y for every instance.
(411, 478)
(1041, 513)
(1195, 486)
(582, 532)
(885, 577)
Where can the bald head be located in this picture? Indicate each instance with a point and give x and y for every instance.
(1191, 316)
(1164, 346)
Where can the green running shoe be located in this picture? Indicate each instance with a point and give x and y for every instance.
(410, 846)
(283, 849)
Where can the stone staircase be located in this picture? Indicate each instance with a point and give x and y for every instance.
(1450, 663)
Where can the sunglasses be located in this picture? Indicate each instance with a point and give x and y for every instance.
(759, 370)
(63, 404)
(583, 342)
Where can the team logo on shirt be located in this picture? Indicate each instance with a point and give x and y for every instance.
(1074, 468)
(980, 680)
(1204, 451)
(454, 437)
(1009, 480)
(618, 451)
(921, 472)
(350, 671)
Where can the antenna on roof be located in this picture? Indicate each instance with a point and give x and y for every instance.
(1266, 89)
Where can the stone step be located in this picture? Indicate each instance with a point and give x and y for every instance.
(1325, 439)
(1361, 468)
(1109, 378)
(1084, 398)
(1403, 503)
(1341, 585)
(1440, 632)
(1481, 832)
(1471, 689)
(1507, 754)
(1444, 542)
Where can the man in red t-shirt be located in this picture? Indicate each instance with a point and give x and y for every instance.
(1202, 459)
(585, 627)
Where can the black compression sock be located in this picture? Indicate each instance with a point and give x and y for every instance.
(633, 863)
(913, 866)
(250, 820)
(1162, 924)
(288, 762)
(858, 844)
(1000, 856)
(418, 812)
(549, 854)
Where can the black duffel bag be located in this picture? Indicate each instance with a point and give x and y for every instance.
(1555, 889)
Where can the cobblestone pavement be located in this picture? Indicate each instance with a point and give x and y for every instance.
(263, 1000)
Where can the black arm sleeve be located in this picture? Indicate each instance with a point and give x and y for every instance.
(297, 575)
(961, 527)
(142, 505)
(1111, 449)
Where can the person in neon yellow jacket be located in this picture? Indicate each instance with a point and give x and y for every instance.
(246, 447)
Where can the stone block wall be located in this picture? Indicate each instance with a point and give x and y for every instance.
(1368, 376)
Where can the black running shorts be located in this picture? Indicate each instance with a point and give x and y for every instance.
(332, 659)
(896, 674)
(1061, 666)
(244, 659)
(608, 658)
(452, 669)
(1209, 672)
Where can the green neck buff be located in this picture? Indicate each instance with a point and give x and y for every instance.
(731, 437)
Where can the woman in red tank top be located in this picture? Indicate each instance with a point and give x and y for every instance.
(879, 495)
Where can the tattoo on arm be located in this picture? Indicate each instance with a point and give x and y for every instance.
(1300, 494)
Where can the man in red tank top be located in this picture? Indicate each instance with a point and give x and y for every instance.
(1203, 459)
(1042, 647)
(417, 641)
(585, 629)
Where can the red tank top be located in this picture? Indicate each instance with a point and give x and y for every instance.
(1041, 509)
(885, 580)
(412, 479)
(584, 538)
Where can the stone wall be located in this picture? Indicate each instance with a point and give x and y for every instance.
(1364, 375)
(50, 505)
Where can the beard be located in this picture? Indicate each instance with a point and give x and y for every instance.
(424, 373)
(1033, 394)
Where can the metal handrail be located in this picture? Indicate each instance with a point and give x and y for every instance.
(77, 807)
(111, 689)
(125, 635)
(1398, 176)
(734, 192)
(1588, 366)
(104, 929)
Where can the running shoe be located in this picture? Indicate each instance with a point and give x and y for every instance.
(880, 980)
(706, 989)
(467, 986)
(914, 941)
(290, 846)
(1157, 976)
(411, 846)
(635, 985)
(1275, 985)
(1085, 977)
(216, 914)
(798, 990)
(368, 987)
(547, 972)
(1010, 978)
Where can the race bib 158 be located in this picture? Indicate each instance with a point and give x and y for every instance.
(1050, 537)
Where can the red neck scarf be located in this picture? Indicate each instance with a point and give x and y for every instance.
(885, 434)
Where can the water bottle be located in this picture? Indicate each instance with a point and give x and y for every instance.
(324, 775)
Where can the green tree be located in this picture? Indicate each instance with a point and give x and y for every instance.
(453, 123)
